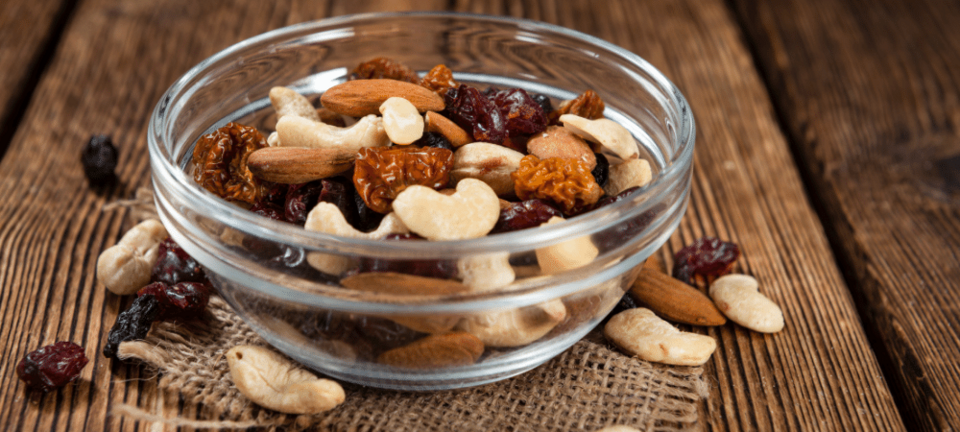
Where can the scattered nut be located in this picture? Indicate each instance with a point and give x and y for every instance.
(567, 255)
(559, 142)
(364, 97)
(391, 283)
(288, 102)
(125, 267)
(606, 132)
(739, 298)
(471, 212)
(634, 172)
(270, 380)
(446, 127)
(515, 327)
(488, 162)
(436, 351)
(403, 123)
(486, 272)
(327, 218)
(296, 131)
(675, 300)
(641, 333)
(294, 165)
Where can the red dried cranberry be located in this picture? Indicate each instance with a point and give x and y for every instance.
(52, 366)
(132, 324)
(474, 112)
(269, 211)
(623, 232)
(602, 171)
(185, 300)
(427, 268)
(174, 265)
(338, 191)
(433, 139)
(300, 200)
(523, 215)
(523, 115)
(99, 160)
(708, 257)
(275, 195)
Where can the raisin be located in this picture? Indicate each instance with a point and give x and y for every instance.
(476, 113)
(440, 269)
(567, 183)
(52, 366)
(523, 115)
(526, 214)
(435, 140)
(99, 160)
(625, 231)
(601, 172)
(439, 79)
(384, 68)
(132, 324)
(588, 105)
(220, 163)
(174, 265)
(185, 300)
(367, 219)
(300, 200)
(381, 173)
(339, 192)
(268, 210)
(707, 257)
(274, 195)
(545, 104)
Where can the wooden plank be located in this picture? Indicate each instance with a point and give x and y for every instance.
(871, 101)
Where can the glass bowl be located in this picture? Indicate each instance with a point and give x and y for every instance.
(263, 267)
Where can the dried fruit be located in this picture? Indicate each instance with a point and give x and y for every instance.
(300, 199)
(475, 113)
(623, 233)
(382, 173)
(433, 139)
(525, 214)
(439, 79)
(52, 366)
(544, 101)
(588, 105)
(368, 335)
(564, 182)
(99, 159)
(268, 210)
(133, 323)
(435, 351)
(367, 219)
(707, 257)
(602, 171)
(384, 68)
(522, 113)
(174, 265)
(185, 300)
(439, 269)
(220, 163)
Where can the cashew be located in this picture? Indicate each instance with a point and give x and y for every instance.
(634, 172)
(486, 272)
(515, 327)
(606, 132)
(327, 218)
(739, 298)
(401, 120)
(488, 162)
(296, 131)
(641, 333)
(273, 140)
(125, 267)
(559, 142)
(568, 255)
(288, 102)
(269, 380)
(471, 212)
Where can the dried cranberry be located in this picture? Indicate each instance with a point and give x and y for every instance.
(367, 219)
(522, 113)
(269, 211)
(99, 159)
(52, 366)
(707, 257)
(300, 200)
(602, 171)
(427, 268)
(185, 300)
(339, 192)
(275, 195)
(545, 104)
(433, 139)
(625, 231)
(174, 265)
(474, 112)
(526, 214)
(132, 324)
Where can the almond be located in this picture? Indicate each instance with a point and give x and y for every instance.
(436, 351)
(446, 127)
(292, 165)
(559, 142)
(675, 300)
(402, 284)
(364, 97)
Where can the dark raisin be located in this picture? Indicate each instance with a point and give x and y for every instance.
(523, 115)
(274, 195)
(441, 269)
(707, 257)
(523, 215)
(625, 231)
(174, 265)
(268, 210)
(367, 219)
(52, 366)
(476, 113)
(99, 159)
(132, 324)
(602, 171)
(185, 300)
(300, 200)
(339, 192)
(433, 139)
(545, 104)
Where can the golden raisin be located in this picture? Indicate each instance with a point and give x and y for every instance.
(564, 182)
(588, 105)
(381, 173)
(439, 79)
(220, 163)
(384, 68)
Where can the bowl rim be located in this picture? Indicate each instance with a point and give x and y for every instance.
(523, 240)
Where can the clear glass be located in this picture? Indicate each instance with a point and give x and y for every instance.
(285, 281)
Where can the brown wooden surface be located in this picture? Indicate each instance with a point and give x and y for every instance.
(116, 57)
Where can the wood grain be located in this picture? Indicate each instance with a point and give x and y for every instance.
(870, 97)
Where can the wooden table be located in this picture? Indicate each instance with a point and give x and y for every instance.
(828, 147)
